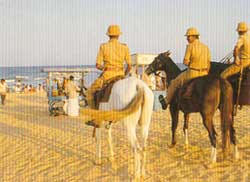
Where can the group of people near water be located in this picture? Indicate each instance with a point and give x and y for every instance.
(18, 88)
(26, 88)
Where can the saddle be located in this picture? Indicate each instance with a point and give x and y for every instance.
(103, 94)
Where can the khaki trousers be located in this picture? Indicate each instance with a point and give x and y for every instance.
(182, 79)
(233, 69)
(98, 84)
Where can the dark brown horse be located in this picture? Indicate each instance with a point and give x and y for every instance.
(209, 93)
(244, 96)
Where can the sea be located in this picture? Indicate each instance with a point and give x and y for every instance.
(34, 75)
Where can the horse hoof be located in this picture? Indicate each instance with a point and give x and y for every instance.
(111, 159)
(186, 146)
(213, 155)
(236, 153)
(98, 162)
(237, 156)
(143, 177)
(171, 145)
(137, 179)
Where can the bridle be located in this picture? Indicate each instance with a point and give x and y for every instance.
(156, 72)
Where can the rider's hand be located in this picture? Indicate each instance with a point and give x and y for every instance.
(127, 70)
(186, 62)
(237, 61)
(99, 67)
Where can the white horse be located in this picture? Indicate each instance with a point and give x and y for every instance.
(131, 101)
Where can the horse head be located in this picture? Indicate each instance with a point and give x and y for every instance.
(158, 64)
(163, 62)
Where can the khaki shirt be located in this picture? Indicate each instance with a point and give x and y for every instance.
(198, 55)
(244, 46)
(71, 89)
(113, 54)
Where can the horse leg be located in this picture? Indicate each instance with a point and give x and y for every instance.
(136, 149)
(98, 160)
(144, 146)
(111, 158)
(233, 141)
(208, 123)
(175, 117)
(185, 127)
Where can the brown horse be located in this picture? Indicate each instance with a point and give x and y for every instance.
(209, 93)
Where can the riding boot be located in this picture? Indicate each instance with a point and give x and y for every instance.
(92, 123)
(91, 103)
(90, 99)
(163, 102)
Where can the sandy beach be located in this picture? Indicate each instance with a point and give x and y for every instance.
(37, 147)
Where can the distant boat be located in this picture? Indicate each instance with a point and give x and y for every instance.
(21, 78)
(9, 81)
(40, 78)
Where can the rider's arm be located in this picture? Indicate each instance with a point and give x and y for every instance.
(209, 60)
(99, 67)
(236, 50)
(100, 58)
(187, 56)
(128, 61)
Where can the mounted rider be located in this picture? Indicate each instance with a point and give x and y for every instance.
(110, 60)
(197, 58)
(241, 52)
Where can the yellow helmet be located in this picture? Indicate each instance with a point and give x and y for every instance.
(192, 31)
(242, 27)
(113, 30)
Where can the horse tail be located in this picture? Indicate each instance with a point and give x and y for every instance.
(226, 108)
(147, 107)
(116, 115)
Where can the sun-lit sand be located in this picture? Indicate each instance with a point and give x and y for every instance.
(37, 147)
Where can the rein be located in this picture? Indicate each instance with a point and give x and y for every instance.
(159, 75)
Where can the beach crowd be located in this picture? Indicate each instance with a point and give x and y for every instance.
(18, 88)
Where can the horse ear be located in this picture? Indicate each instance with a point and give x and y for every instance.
(167, 53)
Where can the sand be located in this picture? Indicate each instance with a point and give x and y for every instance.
(37, 147)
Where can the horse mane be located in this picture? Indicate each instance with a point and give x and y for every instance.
(171, 69)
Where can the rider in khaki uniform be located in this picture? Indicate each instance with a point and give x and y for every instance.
(197, 58)
(241, 52)
(110, 60)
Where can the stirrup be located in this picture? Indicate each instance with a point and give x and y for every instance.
(108, 125)
(91, 123)
(163, 102)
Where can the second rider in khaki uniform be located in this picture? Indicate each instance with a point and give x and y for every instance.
(197, 58)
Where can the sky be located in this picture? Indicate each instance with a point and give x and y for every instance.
(69, 32)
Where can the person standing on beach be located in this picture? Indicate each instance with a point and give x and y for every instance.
(3, 90)
(241, 52)
(197, 58)
(110, 60)
(71, 90)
